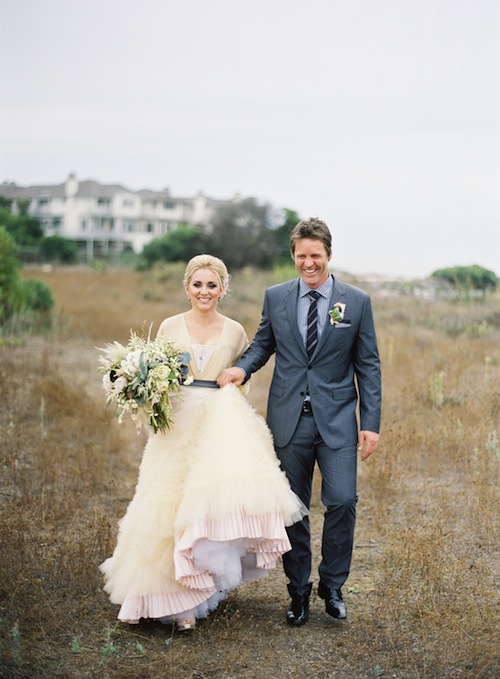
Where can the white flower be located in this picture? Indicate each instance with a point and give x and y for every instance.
(107, 383)
(337, 313)
(113, 353)
(159, 373)
(120, 384)
(131, 363)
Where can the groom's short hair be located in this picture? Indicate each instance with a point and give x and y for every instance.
(313, 228)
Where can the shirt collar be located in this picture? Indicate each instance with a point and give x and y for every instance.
(325, 290)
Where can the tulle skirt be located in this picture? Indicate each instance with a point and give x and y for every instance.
(209, 511)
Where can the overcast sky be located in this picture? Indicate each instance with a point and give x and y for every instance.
(382, 117)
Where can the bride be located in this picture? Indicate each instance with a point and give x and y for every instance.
(211, 503)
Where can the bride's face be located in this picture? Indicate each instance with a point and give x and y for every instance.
(204, 290)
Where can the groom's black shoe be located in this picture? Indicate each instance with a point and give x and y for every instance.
(298, 613)
(334, 604)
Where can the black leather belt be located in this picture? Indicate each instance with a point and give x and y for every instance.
(307, 408)
(202, 383)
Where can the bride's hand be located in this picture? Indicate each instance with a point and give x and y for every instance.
(231, 375)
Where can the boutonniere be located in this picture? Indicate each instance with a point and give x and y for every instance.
(337, 313)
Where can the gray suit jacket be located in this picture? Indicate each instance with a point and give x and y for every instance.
(344, 368)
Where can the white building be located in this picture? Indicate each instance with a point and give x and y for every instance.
(106, 219)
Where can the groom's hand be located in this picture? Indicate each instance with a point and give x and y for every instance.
(367, 442)
(234, 375)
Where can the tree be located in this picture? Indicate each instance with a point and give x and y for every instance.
(10, 283)
(24, 228)
(467, 278)
(281, 235)
(178, 245)
(240, 235)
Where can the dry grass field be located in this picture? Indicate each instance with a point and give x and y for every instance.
(423, 592)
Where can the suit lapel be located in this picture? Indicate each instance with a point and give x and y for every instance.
(338, 295)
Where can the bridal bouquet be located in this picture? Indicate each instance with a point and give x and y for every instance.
(142, 377)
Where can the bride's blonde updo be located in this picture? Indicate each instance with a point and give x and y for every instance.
(214, 264)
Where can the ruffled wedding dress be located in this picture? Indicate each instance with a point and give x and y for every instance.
(211, 503)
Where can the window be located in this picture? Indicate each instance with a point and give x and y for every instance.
(169, 205)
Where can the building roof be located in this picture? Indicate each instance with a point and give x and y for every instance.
(90, 188)
(86, 188)
(11, 190)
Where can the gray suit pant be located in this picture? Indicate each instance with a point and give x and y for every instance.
(338, 469)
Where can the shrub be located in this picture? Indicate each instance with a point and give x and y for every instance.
(18, 299)
(178, 245)
(36, 295)
(59, 249)
(467, 278)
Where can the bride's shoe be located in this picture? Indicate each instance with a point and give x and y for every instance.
(186, 624)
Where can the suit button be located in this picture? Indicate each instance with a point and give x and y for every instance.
(302, 393)
(309, 367)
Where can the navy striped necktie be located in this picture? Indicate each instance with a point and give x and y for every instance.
(312, 323)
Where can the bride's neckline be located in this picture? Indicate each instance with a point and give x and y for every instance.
(212, 341)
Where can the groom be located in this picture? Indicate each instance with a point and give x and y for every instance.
(327, 364)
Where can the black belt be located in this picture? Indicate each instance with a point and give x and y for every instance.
(202, 383)
(307, 408)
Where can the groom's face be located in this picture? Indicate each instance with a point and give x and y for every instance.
(311, 261)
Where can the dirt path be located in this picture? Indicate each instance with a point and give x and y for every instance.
(248, 637)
